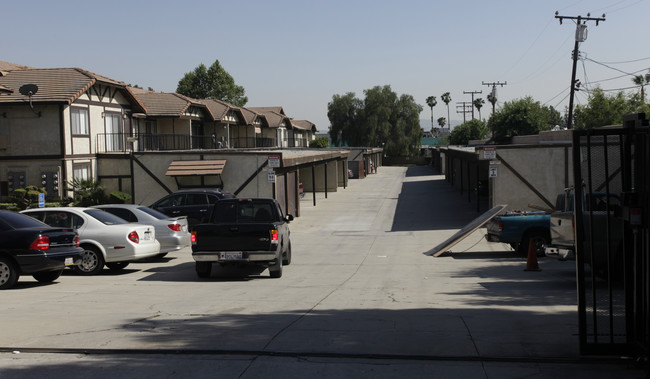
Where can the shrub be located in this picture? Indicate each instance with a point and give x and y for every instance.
(25, 197)
(118, 197)
(87, 192)
(320, 142)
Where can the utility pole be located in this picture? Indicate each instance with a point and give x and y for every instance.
(581, 36)
(464, 105)
(472, 93)
(492, 97)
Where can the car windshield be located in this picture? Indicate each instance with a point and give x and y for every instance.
(153, 213)
(105, 217)
(18, 221)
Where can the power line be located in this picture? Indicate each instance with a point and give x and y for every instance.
(632, 61)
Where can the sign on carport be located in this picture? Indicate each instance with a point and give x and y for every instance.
(274, 161)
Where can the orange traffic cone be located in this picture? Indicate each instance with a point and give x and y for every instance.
(531, 263)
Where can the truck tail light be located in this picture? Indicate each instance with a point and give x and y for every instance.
(40, 243)
(274, 236)
(133, 237)
(193, 238)
(174, 227)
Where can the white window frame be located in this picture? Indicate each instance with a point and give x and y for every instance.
(79, 121)
(81, 171)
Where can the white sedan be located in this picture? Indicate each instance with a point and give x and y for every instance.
(105, 238)
(171, 232)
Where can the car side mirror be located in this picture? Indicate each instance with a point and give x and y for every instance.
(288, 218)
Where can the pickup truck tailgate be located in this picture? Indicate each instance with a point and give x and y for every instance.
(242, 237)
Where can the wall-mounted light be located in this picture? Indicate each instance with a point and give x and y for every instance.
(124, 116)
(103, 114)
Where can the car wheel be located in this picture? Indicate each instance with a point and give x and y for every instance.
(286, 257)
(92, 261)
(203, 269)
(539, 242)
(8, 273)
(276, 270)
(116, 266)
(47, 276)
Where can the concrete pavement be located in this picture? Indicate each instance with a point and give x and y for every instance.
(361, 299)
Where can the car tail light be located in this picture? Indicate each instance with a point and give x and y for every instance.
(40, 243)
(193, 238)
(76, 241)
(500, 224)
(174, 227)
(274, 236)
(133, 237)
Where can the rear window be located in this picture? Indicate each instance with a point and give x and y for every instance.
(154, 213)
(105, 217)
(18, 221)
(244, 212)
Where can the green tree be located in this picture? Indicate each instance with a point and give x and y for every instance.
(431, 102)
(603, 110)
(642, 80)
(319, 142)
(470, 130)
(212, 83)
(382, 118)
(446, 98)
(442, 122)
(522, 117)
(87, 192)
(478, 103)
(344, 112)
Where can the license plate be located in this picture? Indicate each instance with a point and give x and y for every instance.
(69, 261)
(147, 236)
(231, 255)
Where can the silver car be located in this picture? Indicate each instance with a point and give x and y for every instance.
(171, 232)
(106, 239)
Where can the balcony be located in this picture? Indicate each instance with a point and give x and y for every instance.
(122, 143)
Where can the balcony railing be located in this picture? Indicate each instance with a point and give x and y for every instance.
(296, 142)
(120, 142)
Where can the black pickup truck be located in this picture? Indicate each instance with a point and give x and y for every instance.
(243, 232)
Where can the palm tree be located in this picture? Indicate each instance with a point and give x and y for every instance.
(478, 103)
(431, 102)
(442, 121)
(492, 99)
(446, 97)
(642, 80)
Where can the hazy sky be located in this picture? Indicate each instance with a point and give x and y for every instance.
(298, 53)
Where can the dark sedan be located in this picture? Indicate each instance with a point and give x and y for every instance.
(28, 246)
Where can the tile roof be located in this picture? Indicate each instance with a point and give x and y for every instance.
(165, 104)
(273, 118)
(304, 125)
(277, 110)
(55, 85)
(218, 108)
(8, 66)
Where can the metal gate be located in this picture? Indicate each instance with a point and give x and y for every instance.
(611, 227)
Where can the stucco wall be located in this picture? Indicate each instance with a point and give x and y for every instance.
(26, 133)
(238, 168)
(546, 168)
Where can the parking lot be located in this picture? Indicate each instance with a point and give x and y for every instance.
(361, 298)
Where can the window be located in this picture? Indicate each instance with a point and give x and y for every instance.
(81, 171)
(113, 132)
(79, 120)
